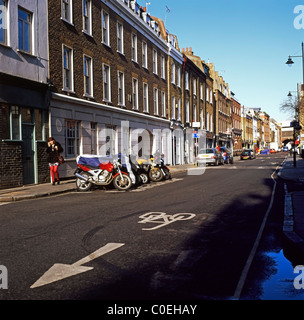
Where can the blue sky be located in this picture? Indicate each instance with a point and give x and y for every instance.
(248, 41)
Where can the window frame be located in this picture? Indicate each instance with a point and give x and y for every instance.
(155, 61)
(121, 88)
(71, 70)
(135, 93)
(106, 83)
(134, 50)
(26, 36)
(87, 17)
(67, 10)
(88, 77)
(105, 27)
(155, 101)
(145, 54)
(120, 37)
(74, 137)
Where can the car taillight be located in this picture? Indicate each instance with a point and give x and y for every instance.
(214, 157)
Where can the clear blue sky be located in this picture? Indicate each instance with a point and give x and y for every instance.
(248, 41)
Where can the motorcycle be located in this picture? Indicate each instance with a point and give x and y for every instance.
(140, 170)
(102, 172)
(160, 162)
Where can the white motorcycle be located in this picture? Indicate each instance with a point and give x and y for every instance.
(102, 171)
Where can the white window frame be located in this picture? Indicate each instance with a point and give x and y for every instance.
(121, 88)
(145, 97)
(186, 80)
(202, 92)
(135, 93)
(88, 76)
(187, 111)
(173, 73)
(155, 62)
(106, 82)
(145, 55)
(173, 107)
(70, 69)
(163, 67)
(194, 86)
(163, 103)
(120, 37)
(155, 101)
(105, 27)
(179, 77)
(67, 11)
(179, 104)
(134, 47)
(87, 16)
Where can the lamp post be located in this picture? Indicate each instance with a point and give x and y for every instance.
(290, 63)
(294, 124)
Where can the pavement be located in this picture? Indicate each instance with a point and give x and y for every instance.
(47, 189)
(294, 201)
(293, 227)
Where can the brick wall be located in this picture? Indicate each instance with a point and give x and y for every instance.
(61, 32)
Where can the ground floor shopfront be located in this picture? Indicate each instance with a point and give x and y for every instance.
(23, 132)
(85, 127)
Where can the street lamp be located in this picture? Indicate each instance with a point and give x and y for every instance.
(294, 124)
(290, 63)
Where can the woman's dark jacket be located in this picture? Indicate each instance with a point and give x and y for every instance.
(53, 154)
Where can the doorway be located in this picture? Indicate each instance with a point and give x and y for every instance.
(28, 154)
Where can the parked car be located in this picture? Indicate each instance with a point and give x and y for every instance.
(248, 154)
(227, 155)
(265, 151)
(209, 156)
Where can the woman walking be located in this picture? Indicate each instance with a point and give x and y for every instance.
(54, 149)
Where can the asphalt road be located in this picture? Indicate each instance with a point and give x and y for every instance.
(188, 238)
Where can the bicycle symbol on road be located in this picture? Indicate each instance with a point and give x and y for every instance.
(163, 219)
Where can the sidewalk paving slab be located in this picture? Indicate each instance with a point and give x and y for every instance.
(294, 202)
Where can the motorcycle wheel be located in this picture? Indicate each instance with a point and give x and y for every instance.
(155, 174)
(144, 178)
(122, 184)
(82, 185)
(167, 175)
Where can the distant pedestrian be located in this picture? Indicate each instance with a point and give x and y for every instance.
(54, 149)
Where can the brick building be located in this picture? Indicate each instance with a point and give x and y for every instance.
(24, 93)
(267, 133)
(108, 68)
(236, 119)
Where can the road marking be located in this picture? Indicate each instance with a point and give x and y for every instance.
(163, 219)
(62, 271)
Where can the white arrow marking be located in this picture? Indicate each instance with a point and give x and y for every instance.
(61, 271)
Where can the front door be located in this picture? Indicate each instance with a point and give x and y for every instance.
(28, 154)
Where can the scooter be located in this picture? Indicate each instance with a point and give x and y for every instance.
(102, 171)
